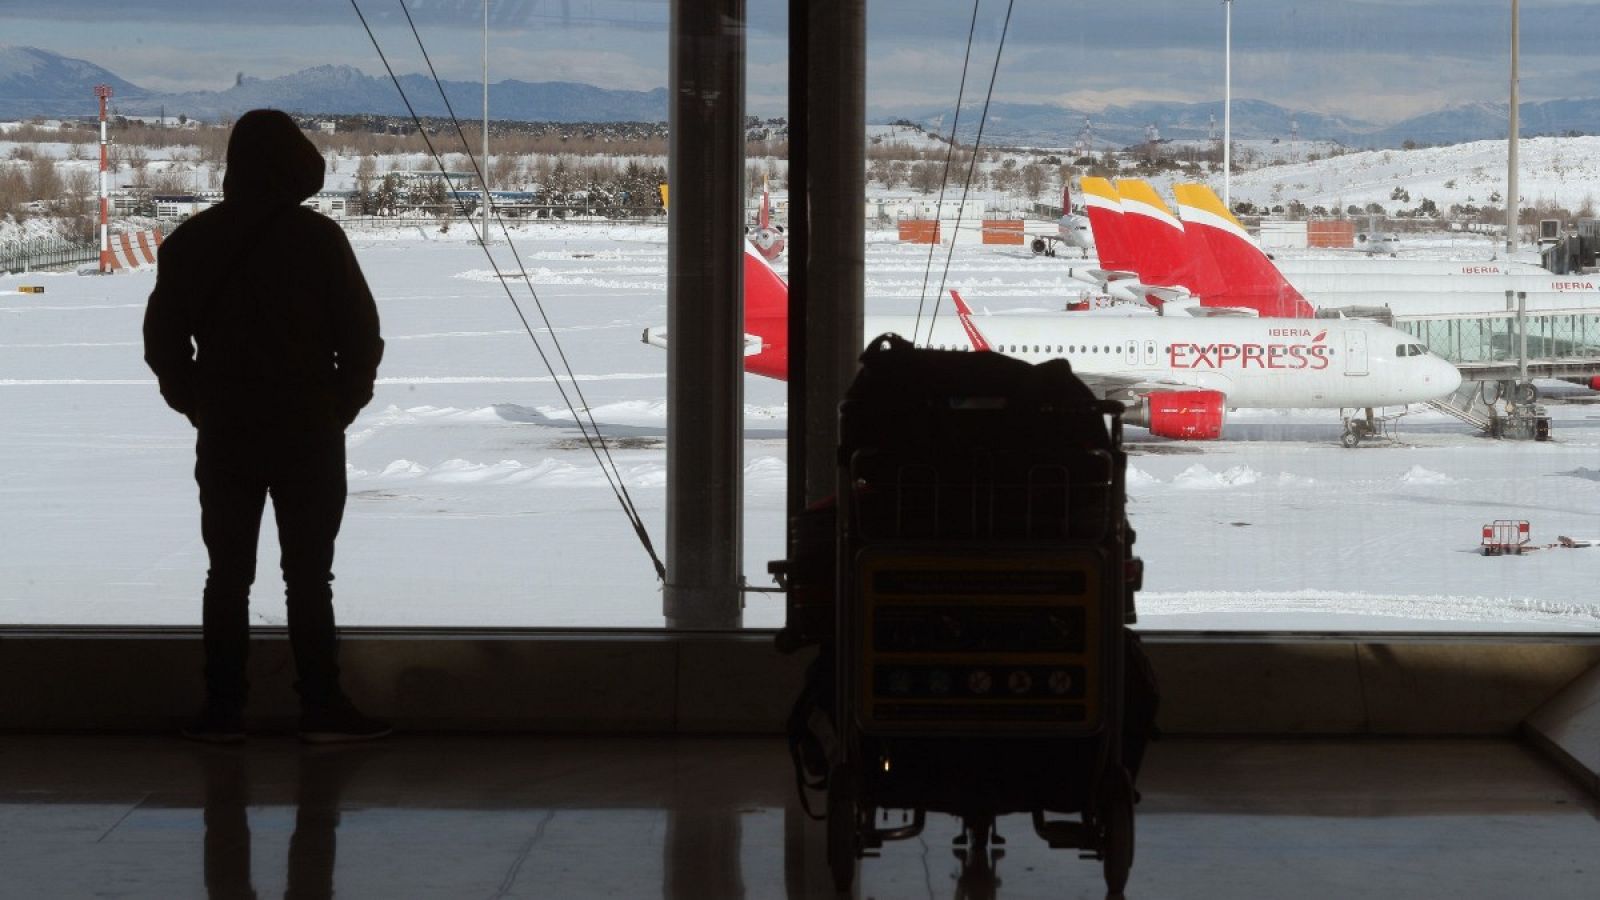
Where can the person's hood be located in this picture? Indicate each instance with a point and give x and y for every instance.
(270, 160)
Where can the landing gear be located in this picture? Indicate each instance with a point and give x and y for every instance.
(1355, 429)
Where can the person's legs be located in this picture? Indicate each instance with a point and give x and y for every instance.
(308, 495)
(231, 497)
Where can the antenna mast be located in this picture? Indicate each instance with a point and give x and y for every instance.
(1227, 105)
(103, 91)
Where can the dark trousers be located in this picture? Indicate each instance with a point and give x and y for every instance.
(237, 468)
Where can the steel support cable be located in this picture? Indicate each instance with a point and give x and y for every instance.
(596, 444)
(949, 152)
(977, 148)
(583, 402)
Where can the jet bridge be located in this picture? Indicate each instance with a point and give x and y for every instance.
(1497, 394)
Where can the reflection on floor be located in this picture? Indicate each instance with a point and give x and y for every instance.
(717, 818)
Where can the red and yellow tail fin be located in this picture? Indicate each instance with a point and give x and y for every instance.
(1103, 205)
(1155, 236)
(766, 316)
(1248, 276)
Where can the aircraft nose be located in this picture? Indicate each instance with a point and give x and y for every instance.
(1445, 376)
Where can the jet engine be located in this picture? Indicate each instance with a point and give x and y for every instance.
(769, 240)
(1184, 415)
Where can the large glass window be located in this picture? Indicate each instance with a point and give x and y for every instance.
(1368, 158)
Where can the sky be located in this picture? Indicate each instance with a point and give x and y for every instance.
(1376, 61)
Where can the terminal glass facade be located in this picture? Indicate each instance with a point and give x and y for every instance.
(475, 498)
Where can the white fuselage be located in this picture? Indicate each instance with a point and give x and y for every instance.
(1435, 287)
(1262, 363)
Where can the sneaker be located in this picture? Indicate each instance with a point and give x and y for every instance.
(339, 722)
(215, 725)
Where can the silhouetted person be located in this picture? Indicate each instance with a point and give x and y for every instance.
(262, 331)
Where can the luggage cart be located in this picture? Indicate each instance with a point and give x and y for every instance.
(985, 579)
(1506, 537)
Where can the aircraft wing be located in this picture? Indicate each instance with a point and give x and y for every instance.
(1212, 311)
(1110, 384)
(656, 336)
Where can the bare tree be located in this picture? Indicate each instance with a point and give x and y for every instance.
(13, 192)
(138, 160)
(925, 176)
(172, 180)
(366, 171)
(81, 205)
(44, 182)
(503, 172)
(1033, 179)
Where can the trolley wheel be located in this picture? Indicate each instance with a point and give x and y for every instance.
(1116, 820)
(976, 832)
(842, 825)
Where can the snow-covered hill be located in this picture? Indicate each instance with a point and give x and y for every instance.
(1563, 171)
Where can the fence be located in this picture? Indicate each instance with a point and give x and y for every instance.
(45, 253)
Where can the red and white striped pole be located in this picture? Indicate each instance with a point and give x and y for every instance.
(103, 91)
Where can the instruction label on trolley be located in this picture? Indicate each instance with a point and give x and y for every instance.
(993, 639)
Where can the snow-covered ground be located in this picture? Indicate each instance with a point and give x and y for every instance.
(473, 501)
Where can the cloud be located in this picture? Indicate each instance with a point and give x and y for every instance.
(1376, 61)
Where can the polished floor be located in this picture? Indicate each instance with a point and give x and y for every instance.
(480, 817)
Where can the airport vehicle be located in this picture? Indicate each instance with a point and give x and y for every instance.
(1177, 375)
(1504, 537)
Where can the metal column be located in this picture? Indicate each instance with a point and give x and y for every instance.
(836, 135)
(799, 255)
(705, 316)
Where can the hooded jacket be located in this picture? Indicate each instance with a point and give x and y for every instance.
(260, 312)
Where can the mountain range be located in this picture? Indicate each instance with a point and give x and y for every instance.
(36, 82)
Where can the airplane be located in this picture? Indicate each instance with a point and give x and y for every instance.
(1072, 230)
(765, 236)
(1247, 278)
(1406, 287)
(1117, 271)
(1375, 242)
(1177, 376)
(1238, 272)
(1176, 262)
